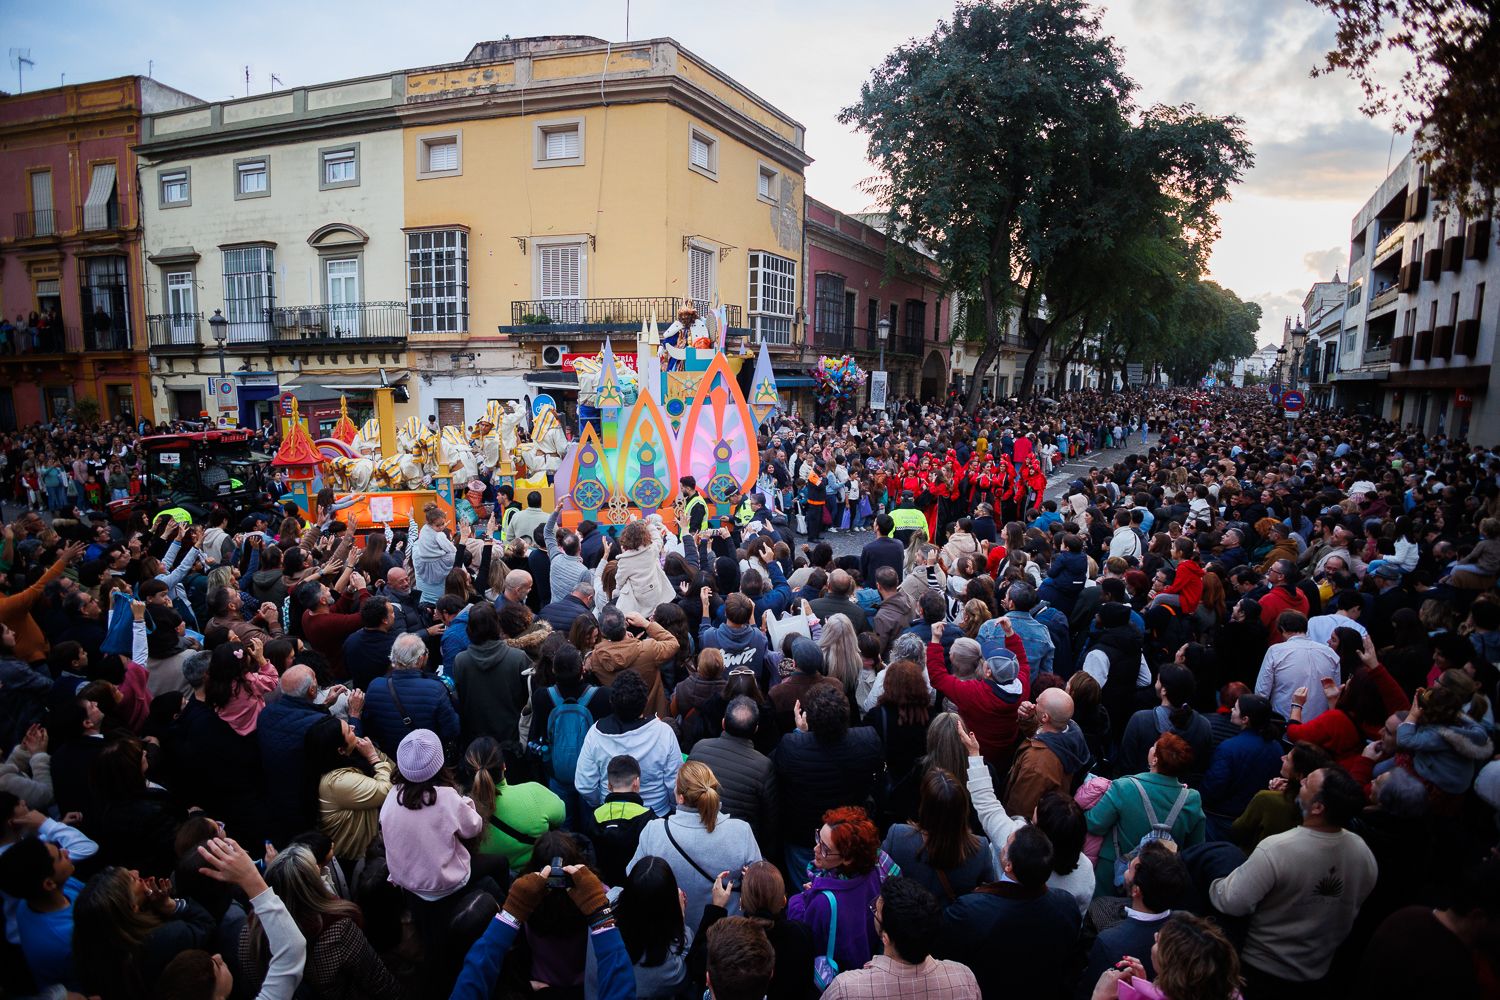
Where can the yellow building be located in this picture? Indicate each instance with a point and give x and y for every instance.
(561, 189)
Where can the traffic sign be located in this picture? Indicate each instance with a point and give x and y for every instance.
(1292, 401)
(226, 391)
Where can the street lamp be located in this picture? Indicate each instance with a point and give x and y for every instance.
(220, 328)
(882, 331)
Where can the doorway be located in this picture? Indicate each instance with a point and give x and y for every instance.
(187, 403)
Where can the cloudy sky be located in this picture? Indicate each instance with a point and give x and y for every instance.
(1317, 159)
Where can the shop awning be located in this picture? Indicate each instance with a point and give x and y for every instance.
(310, 387)
(553, 380)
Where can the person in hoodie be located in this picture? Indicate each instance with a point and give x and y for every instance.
(629, 730)
(742, 643)
(1445, 745)
(1052, 755)
(489, 679)
(1174, 685)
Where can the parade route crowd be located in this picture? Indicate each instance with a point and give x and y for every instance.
(1216, 723)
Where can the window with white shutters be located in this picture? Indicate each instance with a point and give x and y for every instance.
(703, 153)
(340, 167)
(766, 183)
(440, 155)
(773, 296)
(701, 278)
(437, 268)
(562, 144)
(175, 189)
(560, 277)
(252, 178)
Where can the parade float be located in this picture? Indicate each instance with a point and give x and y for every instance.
(682, 413)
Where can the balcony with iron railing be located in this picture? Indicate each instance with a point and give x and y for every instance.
(337, 327)
(45, 340)
(174, 332)
(35, 225)
(540, 319)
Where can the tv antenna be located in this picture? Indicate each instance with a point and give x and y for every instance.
(247, 81)
(274, 81)
(20, 61)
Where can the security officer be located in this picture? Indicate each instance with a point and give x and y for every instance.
(694, 508)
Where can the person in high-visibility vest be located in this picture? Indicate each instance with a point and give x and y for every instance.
(694, 508)
(907, 519)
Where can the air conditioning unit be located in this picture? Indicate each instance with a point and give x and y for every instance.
(552, 355)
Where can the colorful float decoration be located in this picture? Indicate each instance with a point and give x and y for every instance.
(633, 447)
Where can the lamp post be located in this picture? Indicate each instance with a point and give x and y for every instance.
(882, 331)
(220, 328)
(1299, 338)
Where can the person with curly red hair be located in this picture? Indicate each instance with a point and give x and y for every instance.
(848, 870)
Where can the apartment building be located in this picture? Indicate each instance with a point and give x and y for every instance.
(70, 271)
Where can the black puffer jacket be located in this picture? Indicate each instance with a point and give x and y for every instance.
(747, 783)
(815, 776)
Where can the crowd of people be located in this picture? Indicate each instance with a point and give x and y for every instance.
(1214, 723)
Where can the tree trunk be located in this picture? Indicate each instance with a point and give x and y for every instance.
(986, 358)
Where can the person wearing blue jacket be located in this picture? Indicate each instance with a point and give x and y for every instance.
(455, 617)
(408, 698)
(1241, 765)
(615, 976)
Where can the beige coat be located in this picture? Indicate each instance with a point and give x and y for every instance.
(349, 804)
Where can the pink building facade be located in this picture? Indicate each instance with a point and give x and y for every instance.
(70, 264)
(849, 292)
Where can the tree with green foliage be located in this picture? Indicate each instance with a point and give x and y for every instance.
(1009, 145)
(1447, 94)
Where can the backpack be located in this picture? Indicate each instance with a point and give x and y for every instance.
(567, 725)
(1158, 829)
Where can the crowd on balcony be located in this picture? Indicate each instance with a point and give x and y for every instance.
(36, 333)
(1213, 723)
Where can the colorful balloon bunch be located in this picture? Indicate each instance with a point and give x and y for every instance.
(836, 378)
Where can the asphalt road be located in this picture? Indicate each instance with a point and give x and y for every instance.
(850, 543)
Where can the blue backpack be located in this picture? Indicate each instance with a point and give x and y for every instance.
(567, 725)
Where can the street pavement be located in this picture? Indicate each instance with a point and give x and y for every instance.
(851, 542)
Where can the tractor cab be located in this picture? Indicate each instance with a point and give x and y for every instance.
(199, 471)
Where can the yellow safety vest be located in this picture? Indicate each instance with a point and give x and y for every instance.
(687, 511)
(908, 517)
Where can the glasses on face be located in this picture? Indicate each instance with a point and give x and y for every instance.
(822, 850)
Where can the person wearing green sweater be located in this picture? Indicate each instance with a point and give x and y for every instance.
(1122, 817)
(516, 815)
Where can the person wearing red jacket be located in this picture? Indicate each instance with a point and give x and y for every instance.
(1188, 584)
(989, 701)
(1283, 596)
